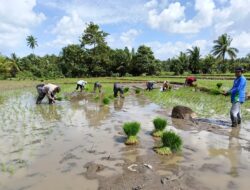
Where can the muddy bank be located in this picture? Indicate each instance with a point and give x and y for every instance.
(79, 144)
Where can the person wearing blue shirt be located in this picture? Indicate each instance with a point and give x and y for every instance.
(238, 96)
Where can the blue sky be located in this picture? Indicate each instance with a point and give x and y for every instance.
(167, 26)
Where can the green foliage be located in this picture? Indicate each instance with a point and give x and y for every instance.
(59, 98)
(137, 91)
(106, 101)
(172, 141)
(194, 59)
(31, 42)
(219, 85)
(159, 124)
(131, 128)
(215, 92)
(126, 89)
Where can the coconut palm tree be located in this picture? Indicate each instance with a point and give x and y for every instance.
(222, 47)
(194, 59)
(31, 42)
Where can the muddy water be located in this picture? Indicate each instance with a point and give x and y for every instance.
(78, 144)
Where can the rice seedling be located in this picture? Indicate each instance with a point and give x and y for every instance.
(126, 89)
(59, 98)
(131, 129)
(137, 91)
(171, 143)
(219, 85)
(106, 101)
(159, 124)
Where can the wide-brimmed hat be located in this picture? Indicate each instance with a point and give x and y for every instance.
(241, 69)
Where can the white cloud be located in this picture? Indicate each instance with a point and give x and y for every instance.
(128, 38)
(17, 20)
(173, 18)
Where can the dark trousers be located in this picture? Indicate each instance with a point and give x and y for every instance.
(41, 94)
(150, 86)
(79, 86)
(116, 90)
(97, 85)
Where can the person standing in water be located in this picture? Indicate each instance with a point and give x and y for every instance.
(98, 86)
(118, 88)
(48, 90)
(238, 96)
(81, 84)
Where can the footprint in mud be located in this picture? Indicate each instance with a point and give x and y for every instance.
(93, 169)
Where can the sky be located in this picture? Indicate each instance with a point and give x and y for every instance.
(167, 26)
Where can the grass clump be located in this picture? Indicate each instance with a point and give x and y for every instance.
(59, 98)
(215, 92)
(159, 124)
(171, 143)
(131, 129)
(137, 91)
(106, 101)
(219, 85)
(126, 89)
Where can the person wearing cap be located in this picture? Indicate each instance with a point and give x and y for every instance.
(81, 84)
(99, 86)
(190, 81)
(150, 85)
(238, 96)
(118, 88)
(48, 90)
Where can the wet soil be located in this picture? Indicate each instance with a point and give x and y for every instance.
(79, 144)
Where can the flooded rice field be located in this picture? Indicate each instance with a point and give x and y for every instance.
(79, 144)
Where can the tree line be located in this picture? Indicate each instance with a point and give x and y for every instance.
(92, 57)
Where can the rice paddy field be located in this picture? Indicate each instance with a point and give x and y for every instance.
(78, 142)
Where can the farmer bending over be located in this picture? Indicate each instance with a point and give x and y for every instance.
(97, 85)
(81, 84)
(238, 96)
(118, 88)
(166, 86)
(190, 81)
(150, 85)
(48, 90)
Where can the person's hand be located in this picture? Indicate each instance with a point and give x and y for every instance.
(225, 93)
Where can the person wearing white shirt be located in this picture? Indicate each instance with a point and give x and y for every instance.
(81, 84)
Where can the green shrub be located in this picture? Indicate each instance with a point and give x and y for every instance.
(131, 129)
(219, 85)
(106, 101)
(128, 75)
(126, 89)
(137, 91)
(171, 142)
(159, 124)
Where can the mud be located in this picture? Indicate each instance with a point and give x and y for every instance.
(79, 144)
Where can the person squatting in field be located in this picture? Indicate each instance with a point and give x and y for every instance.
(150, 85)
(98, 86)
(118, 88)
(190, 81)
(166, 86)
(81, 84)
(238, 96)
(48, 90)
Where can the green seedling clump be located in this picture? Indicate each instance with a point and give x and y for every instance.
(131, 129)
(106, 101)
(126, 89)
(159, 124)
(171, 143)
(219, 85)
(137, 91)
(111, 97)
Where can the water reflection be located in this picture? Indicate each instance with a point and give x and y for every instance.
(49, 112)
(232, 153)
(118, 104)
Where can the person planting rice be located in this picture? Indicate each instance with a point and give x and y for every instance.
(118, 88)
(166, 86)
(98, 86)
(81, 84)
(150, 85)
(190, 81)
(48, 90)
(238, 96)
